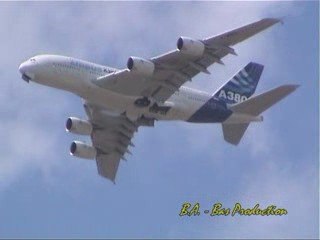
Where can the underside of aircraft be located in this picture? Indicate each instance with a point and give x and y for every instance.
(119, 101)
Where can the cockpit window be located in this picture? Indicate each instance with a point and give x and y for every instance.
(32, 59)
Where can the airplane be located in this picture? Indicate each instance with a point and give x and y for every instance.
(119, 101)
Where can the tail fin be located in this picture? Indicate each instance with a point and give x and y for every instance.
(242, 85)
(253, 107)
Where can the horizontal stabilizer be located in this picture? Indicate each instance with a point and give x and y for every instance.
(253, 107)
(258, 104)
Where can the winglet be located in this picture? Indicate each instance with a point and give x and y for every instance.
(272, 20)
(277, 20)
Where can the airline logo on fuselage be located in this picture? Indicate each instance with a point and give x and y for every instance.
(232, 96)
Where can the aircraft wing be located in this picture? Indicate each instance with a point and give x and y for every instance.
(111, 136)
(173, 69)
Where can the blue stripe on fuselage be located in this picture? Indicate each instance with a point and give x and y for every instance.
(213, 111)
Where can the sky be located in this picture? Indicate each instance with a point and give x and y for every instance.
(45, 192)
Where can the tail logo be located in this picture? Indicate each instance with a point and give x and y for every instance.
(232, 96)
(242, 86)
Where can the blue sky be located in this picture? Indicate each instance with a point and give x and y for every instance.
(44, 192)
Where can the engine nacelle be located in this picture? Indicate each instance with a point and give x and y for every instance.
(78, 126)
(190, 46)
(141, 66)
(82, 150)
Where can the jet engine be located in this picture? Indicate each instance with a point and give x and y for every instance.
(82, 150)
(141, 66)
(78, 126)
(190, 46)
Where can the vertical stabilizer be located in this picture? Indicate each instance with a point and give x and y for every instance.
(242, 85)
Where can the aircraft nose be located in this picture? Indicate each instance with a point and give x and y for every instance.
(23, 67)
(27, 70)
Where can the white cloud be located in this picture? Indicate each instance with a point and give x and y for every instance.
(272, 184)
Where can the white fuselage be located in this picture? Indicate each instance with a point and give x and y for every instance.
(78, 76)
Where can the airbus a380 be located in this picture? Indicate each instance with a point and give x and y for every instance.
(119, 101)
